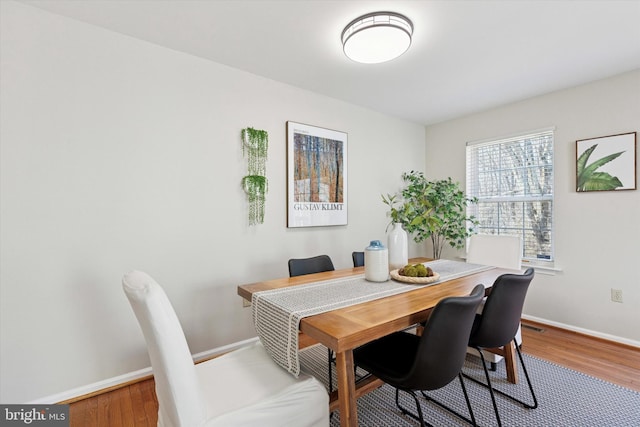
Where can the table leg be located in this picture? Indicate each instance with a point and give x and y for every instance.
(510, 363)
(346, 389)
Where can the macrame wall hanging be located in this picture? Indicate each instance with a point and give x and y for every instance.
(255, 144)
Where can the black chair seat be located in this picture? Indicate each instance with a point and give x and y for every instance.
(390, 357)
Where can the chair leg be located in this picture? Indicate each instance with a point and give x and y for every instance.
(493, 397)
(471, 421)
(492, 390)
(466, 398)
(526, 375)
(420, 416)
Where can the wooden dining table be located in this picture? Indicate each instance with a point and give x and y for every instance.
(342, 330)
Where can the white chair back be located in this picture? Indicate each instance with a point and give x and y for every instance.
(496, 250)
(177, 389)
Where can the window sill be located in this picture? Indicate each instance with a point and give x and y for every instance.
(543, 267)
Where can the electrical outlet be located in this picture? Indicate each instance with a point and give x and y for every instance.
(616, 295)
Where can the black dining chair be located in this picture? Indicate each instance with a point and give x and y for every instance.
(497, 327)
(413, 363)
(358, 259)
(316, 264)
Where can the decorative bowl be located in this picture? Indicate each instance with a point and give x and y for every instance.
(417, 280)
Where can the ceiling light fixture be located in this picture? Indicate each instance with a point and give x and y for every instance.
(377, 37)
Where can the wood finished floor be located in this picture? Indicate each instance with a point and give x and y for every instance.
(135, 405)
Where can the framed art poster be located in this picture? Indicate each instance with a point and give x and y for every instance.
(316, 176)
(606, 163)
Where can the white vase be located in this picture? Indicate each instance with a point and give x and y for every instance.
(398, 245)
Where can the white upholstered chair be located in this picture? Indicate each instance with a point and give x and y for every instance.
(241, 388)
(496, 250)
(499, 251)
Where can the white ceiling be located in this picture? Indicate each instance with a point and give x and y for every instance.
(466, 56)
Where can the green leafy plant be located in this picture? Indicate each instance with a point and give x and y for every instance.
(432, 209)
(256, 188)
(255, 144)
(588, 177)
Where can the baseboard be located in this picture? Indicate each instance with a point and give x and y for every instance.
(589, 332)
(99, 387)
(209, 354)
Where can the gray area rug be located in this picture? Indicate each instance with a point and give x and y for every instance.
(565, 398)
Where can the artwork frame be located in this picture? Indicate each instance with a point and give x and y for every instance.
(614, 168)
(317, 178)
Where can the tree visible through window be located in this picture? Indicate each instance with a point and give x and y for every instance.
(512, 179)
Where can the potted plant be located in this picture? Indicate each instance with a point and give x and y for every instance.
(435, 209)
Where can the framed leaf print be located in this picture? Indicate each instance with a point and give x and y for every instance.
(606, 163)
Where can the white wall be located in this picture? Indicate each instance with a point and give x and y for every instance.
(596, 234)
(117, 154)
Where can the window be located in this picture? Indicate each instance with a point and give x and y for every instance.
(512, 178)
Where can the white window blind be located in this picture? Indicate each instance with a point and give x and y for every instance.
(512, 178)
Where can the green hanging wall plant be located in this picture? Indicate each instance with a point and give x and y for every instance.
(255, 144)
(256, 188)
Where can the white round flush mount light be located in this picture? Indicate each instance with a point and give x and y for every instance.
(377, 37)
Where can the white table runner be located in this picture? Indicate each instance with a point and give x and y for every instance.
(277, 313)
